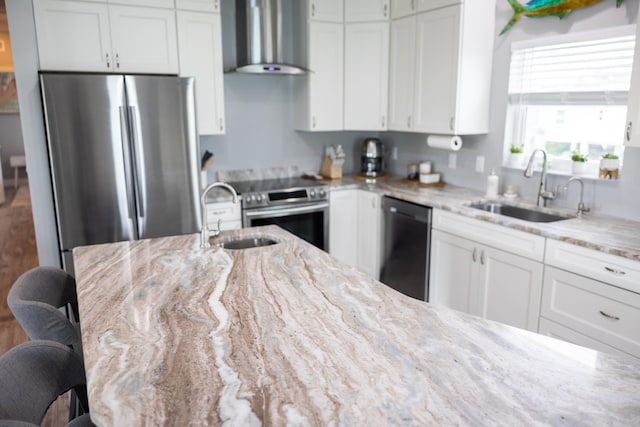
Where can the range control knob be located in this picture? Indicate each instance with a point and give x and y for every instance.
(312, 193)
(321, 193)
(251, 199)
(263, 198)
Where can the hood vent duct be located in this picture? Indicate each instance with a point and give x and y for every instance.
(260, 32)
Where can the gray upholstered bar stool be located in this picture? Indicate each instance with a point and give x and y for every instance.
(33, 375)
(35, 300)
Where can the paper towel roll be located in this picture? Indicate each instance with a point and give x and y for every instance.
(446, 142)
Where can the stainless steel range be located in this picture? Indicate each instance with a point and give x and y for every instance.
(298, 205)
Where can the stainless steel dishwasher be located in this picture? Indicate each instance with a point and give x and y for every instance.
(405, 247)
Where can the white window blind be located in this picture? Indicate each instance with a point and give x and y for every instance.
(586, 72)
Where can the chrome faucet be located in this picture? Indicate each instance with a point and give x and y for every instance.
(581, 207)
(543, 193)
(205, 233)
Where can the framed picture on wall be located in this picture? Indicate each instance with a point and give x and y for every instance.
(8, 94)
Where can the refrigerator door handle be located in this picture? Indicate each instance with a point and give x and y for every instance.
(135, 146)
(128, 176)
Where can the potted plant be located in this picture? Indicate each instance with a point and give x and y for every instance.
(578, 162)
(609, 166)
(516, 158)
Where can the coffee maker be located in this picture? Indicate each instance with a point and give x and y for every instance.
(371, 160)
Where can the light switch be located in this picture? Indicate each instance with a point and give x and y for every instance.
(452, 160)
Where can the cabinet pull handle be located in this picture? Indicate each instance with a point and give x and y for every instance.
(117, 60)
(382, 121)
(215, 5)
(482, 257)
(473, 255)
(385, 10)
(614, 271)
(313, 9)
(629, 126)
(313, 121)
(451, 123)
(221, 124)
(108, 63)
(413, 5)
(409, 122)
(609, 316)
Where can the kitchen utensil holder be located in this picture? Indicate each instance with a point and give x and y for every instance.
(330, 171)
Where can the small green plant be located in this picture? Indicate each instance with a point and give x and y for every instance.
(516, 148)
(577, 156)
(611, 156)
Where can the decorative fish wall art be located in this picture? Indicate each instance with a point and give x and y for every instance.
(540, 8)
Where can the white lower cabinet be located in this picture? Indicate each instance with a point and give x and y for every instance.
(354, 229)
(468, 273)
(605, 315)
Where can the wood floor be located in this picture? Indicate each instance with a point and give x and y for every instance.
(18, 254)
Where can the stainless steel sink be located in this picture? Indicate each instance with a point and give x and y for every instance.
(527, 214)
(247, 243)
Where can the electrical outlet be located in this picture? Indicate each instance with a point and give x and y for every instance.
(452, 160)
(480, 164)
(394, 153)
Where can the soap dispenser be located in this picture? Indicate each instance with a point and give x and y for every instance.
(492, 184)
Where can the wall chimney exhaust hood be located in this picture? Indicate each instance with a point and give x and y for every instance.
(261, 30)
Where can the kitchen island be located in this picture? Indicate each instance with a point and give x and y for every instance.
(285, 334)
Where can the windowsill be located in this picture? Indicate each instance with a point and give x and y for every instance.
(587, 175)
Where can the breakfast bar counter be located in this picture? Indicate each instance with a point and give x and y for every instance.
(286, 335)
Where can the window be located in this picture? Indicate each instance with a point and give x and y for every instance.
(570, 93)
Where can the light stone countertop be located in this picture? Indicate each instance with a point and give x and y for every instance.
(602, 233)
(286, 335)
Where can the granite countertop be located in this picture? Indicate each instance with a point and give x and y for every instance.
(285, 334)
(602, 233)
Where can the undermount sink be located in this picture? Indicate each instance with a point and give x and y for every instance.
(247, 243)
(527, 214)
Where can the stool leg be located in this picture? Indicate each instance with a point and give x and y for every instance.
(15, 178)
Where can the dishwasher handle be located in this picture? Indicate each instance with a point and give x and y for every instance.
(424, 219)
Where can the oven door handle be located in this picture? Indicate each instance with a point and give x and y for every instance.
(257, 213)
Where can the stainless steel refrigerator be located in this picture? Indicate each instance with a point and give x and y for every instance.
(123, 151)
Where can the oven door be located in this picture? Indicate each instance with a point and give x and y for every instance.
(307, 221)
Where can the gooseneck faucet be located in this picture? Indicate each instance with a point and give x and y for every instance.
(581, 207)
(543, 193)
(205, 233)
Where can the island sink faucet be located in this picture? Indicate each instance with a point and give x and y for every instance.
(206, 233)
(543, 193)
(581, 207)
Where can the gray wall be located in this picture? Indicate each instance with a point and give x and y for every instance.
(616, 198)
(10, 144)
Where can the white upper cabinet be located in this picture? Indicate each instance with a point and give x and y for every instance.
(319, 94)
(400, 8)
(326, 10)
(402, 71)
(58, 25)
(143, 40)
(366, 10)
(366, 76)
(424, 5)
(166, 4)
(199, 5)
(200, 48)
(453, 53)
(632, 131)
(113, 38)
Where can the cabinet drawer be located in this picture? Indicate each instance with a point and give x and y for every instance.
(554, 330)
(618, 271)
(603, 312)
(504, 238)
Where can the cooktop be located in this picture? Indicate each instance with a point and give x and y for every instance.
(269, 185)
(282, 191)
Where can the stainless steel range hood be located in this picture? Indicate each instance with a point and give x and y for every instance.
(260, 32)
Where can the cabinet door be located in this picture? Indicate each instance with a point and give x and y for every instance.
(402, 73)
(326, 47)
(452, 269)
(366, 76)
(73, 36)
(343, 227)
(509, 288)
(200, 42)
(144, 40)
(167, 4)
(632, 131)
(400, 8)
(424, 5)
(369, 235)
(199, 5)
(326, 10)
(437, 70)
(366, 10)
